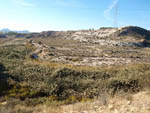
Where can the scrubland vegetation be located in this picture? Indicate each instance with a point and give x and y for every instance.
(38, 81)
(54, 83)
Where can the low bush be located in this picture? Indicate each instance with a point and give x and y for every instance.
(30, 81)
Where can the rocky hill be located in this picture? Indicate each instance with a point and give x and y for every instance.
(134, 32)
(130, 36)
(105, 32)
(124, 36)
(86, 35)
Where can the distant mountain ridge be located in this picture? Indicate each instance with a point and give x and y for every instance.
(6, 30)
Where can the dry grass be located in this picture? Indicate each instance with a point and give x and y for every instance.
(129, 103)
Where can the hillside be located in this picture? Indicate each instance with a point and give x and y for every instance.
(124, 36)
(102, 47)
(102, 32)
(134, 31)
(65, 69)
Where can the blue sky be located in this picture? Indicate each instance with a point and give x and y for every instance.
(43, 15)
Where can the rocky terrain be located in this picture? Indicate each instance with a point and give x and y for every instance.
(87, 34)
(103, 47)
(84, 71)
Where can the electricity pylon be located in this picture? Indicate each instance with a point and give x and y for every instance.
(116, 16)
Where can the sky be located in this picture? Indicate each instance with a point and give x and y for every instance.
(44, 15)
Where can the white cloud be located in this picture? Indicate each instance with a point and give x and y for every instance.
(23, 3)
(109, 9)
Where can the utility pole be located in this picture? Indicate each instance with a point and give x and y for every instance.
(116, 16)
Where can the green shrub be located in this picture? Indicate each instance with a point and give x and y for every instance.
(67, 85)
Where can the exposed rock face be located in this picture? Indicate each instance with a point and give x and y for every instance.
(125, 36)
